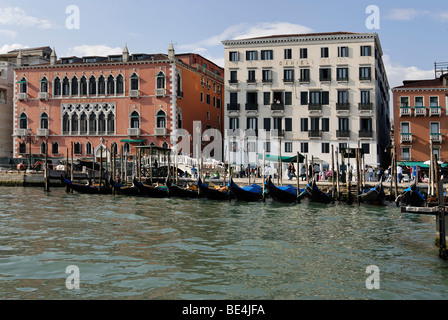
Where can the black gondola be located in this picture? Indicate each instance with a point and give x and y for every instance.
(250, 193)
(374, 196)
(286, 194)
(151, 191)
(314, 194)
(179, 192)
(412, 197)
(87, 188)
(212, 194)
(124, 190)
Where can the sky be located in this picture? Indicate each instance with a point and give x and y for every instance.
(413, 34)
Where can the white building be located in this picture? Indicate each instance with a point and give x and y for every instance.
(318, 90)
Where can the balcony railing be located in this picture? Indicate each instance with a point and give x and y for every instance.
(420, 111)
(277, 106)
(365, 133)
(43, 95)
(314, 107)
(160, 131)
(405, 111)
(406, 137)
(365, 106)
(435, 137)
(343, 133)
(251, 106)
(22, 96)
(133, 132)
(435, 111)
(42, 132)
(304, 80)
(233, 107)
(314, 134)
(342, 106)
(160, 92)
(134, 93)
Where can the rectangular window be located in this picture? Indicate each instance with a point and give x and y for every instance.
(404, 101)
(288, 147)
(288, 54)
(234, 123)
(405, 127)
(304, 147)
(406, 153)
(365, 148)
(288, 75)
(233, 76)
(342, 96)
(303, 98)
(325, 74)
(278, 124)
(233, 56)
(343, 124)
(435, 127)
(325, 125)
(288, 98)
(366, 51)
(251, 55)
(315, 124)
(419, 102)
(304, 53)
(324, 52)
(325, 147)
(252, 123)
(288, 124)
(304, 75)
(365, 124)
(342, 52)
(267, 124)
(342, 74)
(433, 101)
(55, 148)
(304, 124)
(267, 55)
(266, 98)
(267, 75)
(364, 73)
(267, 147)
(207, 98)
(365, 96)
(251, 76)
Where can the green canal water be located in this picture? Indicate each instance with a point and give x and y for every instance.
(175, 249)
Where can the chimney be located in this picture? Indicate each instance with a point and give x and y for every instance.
(19, 58)
(171, 51)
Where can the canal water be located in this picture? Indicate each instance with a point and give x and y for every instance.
(175, 249)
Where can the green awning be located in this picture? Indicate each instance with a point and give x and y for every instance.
(420, 164)
(273, 158)
(133, 141)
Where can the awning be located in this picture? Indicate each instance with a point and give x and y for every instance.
(273, 158)
(133, 141)
(420, 164)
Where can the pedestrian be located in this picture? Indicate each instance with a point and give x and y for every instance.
(399, 173)
(370, 171)
(316, 171)
(303, 173)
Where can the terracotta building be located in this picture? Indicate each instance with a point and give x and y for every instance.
(420, 117)
(127, 100)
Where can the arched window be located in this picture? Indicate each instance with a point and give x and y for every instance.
(92, 85)
(65, 124)
(74, 86)
(75, 124)
(88, 148)
(135, 80)
(179, 120)
(160, 79)
(57, 87)
(101, 85)
(92, 123)
(83, 123)
(83, 86)
(179, 85)
(22, 148)
(44, 120)
(65, 86)
(161, 119)
(127, 148)
(43, 148)
(77, 148)
(44, 85)
(102, 123)
(55, 148)
(23, 121)
(165, 145)
(135, 120)
(23, 85)
(120, 84)
(110, 85)
(114, 148)
(110, 123)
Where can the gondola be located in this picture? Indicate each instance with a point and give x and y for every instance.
(124, 190)
(412, 197)
(250, 193)
(374, 196)
(151, 191)
(282, 194)
(212, 194)
(180, 192)
(314, 194)
(87, 188)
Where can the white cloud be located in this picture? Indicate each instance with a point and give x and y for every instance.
(8, 33)
(402, 14)
(94, 50)
(18, 17)
(396, 72)
(10, 47)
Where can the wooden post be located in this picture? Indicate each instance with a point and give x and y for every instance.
(436, 177)
(139, 155)
(337, 174)
(357, 176)
(150, 164)
(101, 166)
(71, 166)
(46, 174)
(396, 177)
(264, 176)
(307, 169)
(431, 171)
(93, 167)
(297, 175)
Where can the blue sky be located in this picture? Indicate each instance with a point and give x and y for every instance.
(413, 33)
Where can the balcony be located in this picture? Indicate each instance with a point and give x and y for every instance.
(435, 111)
(345, 134)
(42, 132)
(252, 107)
(43, 95)
(133, 132)
(267, 81)
(365, 107)
(365, 78)
(405, 111)
(22, 96)
(436, 137)
(314, 107)
(304, 80)
(20, 132)
(233, 107)
(314, 134)
(233, 81)
(342, 106)
(275, 133)
(134, 93)
(406, 137)
(160, 131)
(160, 92)
(365, 133)
(277, 107)
(420, 111)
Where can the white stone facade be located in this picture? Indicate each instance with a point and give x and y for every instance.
(318, 90)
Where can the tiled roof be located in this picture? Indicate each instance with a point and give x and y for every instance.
(429, 83)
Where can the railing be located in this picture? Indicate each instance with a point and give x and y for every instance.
(134, 93)
(314, 134)
(435, 111)
(133, 132)
(343, 133)
(342, 106)
(233, 107)
(277, 106)
(251, 106)
(435, 137)
(160, 131)
(22, 96)
(43, 95)
(365, 133)
(406, 137)
(405, 111)
(42, 132)
(160, 92)
(314, 107)
(365, 106)
(420, 111)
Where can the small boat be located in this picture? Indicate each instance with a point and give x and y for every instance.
(286, 194)
(124, 190)
(151, 191)
(250, 193)
(213, 194)
(375, 195)
(87, 188)
(412, 197)
(183, 192)
(316, 195)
